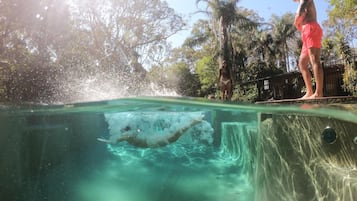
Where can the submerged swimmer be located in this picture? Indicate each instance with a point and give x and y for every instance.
(153, 141)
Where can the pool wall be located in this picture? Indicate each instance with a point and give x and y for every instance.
(36, 150)
(294, 162)
(278, 156)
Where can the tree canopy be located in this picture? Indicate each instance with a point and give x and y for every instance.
(76, 44)
(71, 50)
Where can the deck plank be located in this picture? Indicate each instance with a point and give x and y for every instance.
(320, 100)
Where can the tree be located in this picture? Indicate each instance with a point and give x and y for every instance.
(226, 23)
(199, 53)
(83, 43)
(243, 32)
(283, 31)
(202, 38)
(188, 83)
(342, 18)
(222, 14)
(342, 31)
(128, 31)
(32, 31)
(177, 77)
(206, 69)
(350, 74)
(344, 9)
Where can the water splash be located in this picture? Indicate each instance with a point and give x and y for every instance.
(78, 82)
(106, 86)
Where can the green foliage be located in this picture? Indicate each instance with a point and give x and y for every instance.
(328, 46)
(344, 49)
(188, 83)
(350, 75)
(207, 70)
(344, 9)
(90, 39)
(350, 79)
(247, 94)
(283, 33)
(178, 77)
(160, 76)
(254, 49)
(43, 41)
(224, 16)
(342, 19)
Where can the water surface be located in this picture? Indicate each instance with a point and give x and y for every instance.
(239, 152)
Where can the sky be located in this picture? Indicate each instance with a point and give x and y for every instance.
(265, 9)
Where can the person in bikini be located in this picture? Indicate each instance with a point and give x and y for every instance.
(311, 34)
(225, 81)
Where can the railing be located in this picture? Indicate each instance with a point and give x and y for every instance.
(338, 62)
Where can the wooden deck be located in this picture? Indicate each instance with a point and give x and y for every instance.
(322, 100)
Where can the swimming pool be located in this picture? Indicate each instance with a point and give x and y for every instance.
(236, 152)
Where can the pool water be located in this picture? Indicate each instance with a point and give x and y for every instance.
(235, 152)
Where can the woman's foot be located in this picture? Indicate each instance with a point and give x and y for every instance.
(311, 96)
(307, 96)
(315, 95)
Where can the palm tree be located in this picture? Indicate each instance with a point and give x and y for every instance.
(227, 19)
(283, 31)
(222, 14)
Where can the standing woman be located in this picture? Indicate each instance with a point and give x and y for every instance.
(225, 81)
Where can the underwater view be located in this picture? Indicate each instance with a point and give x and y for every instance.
(177, 100)
(177, 149)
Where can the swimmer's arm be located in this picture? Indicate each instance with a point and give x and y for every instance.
(120, 139)
(175, 136)
(300, 14)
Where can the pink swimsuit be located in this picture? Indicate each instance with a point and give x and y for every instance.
(311, 36)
